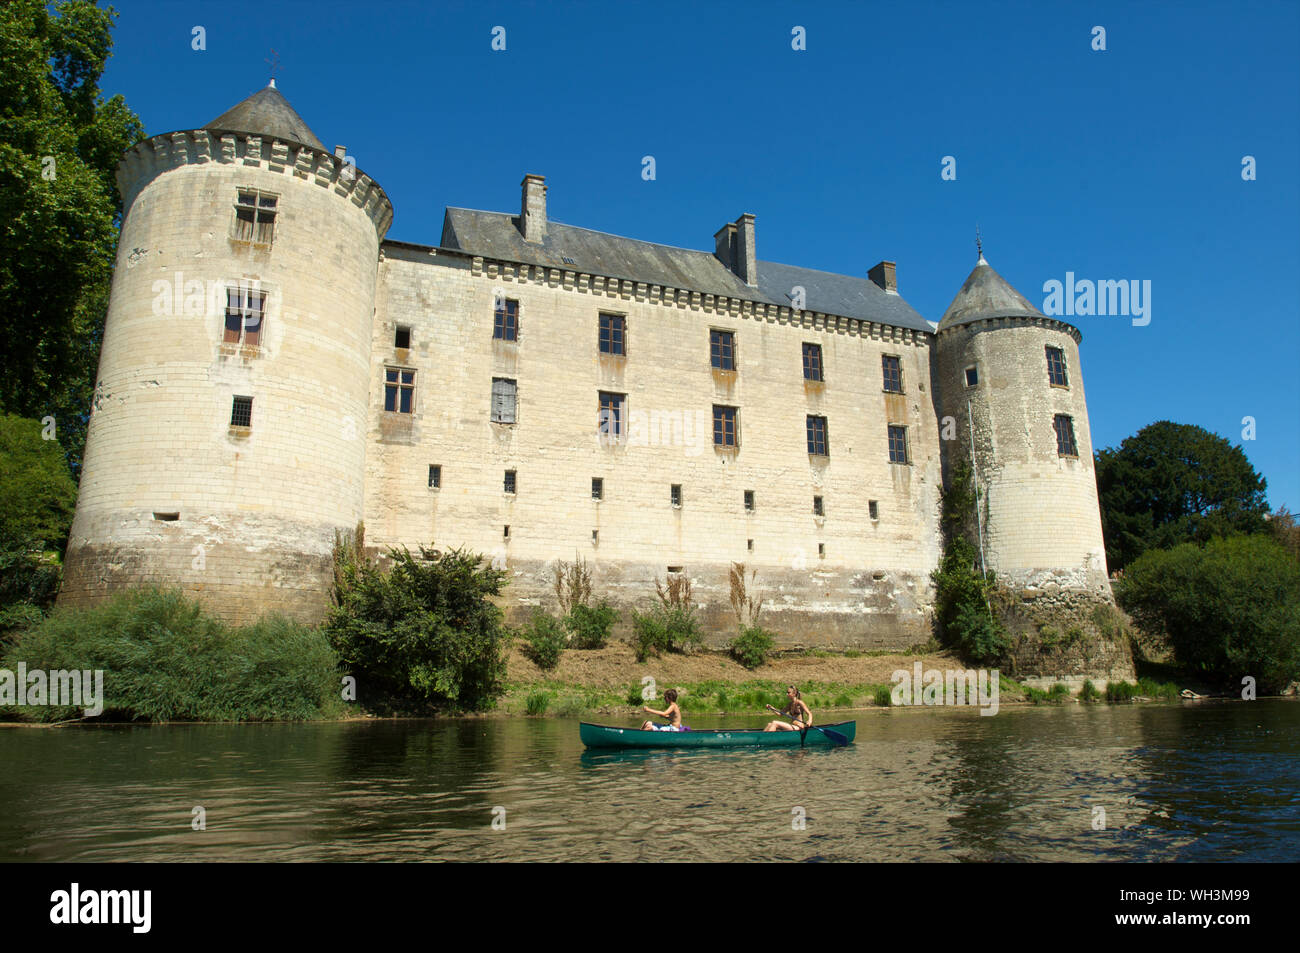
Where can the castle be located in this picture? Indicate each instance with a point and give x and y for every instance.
(274, 370)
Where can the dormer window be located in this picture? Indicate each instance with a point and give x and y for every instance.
(255, 216)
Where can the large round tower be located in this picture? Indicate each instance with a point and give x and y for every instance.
(1010, 380)
(226, 444)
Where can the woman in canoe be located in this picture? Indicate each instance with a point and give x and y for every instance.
(797, 709)
(672, 713)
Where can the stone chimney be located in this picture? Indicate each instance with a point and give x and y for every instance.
(340, 151)
(734, 247)
(532, 214)
(725, 246)
(884, 274)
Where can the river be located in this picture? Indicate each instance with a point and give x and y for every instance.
(1208, 781)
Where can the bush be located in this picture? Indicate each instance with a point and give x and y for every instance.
(1229, 609)
(843, 701)
(666, 628)
(165, 659)
(537, 703)
(1121, 691)
(634, 695)
(424, 636)
(590, 625)
(1089, 692)
(752, 646)
(545, 639)
(883, 698)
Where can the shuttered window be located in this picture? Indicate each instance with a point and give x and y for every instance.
(503, 400)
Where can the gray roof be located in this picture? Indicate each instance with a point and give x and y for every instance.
(839, 294)
(267, 113)
(986, 294)
(496, 235)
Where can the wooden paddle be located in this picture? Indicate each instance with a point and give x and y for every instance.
(836, 738)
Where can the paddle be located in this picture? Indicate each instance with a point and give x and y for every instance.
(836, 738)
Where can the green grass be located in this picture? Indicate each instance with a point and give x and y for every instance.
(1090, 693)
(1055, 695)
(537, 703)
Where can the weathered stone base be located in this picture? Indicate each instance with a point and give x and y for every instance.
(829, 609)
(1066, 635)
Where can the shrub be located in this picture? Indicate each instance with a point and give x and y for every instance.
(852, 653)
(544, 640)
(1229, 609)
(1153, 689)
(649, 634)
(1089, 692)
(537, 702)
(165, 659)
(666, 628)
(752, 646)
(424, 636)
(723, 699)
(590, 625)
(1120, 691)
(882, 697)
(843, 701)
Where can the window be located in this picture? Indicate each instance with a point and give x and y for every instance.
(1056, 367)
(818, 445)
(1065, 445)
(873, 510)
(597, 488)
(167, 517)
(241, 412)
(972, 377)
(402, 339)
(505, 531)
(812, 362)
(819, 508)
(612, 420)
(749, 500)
(595, 537)
(821, 549)
(244, 311)
(722, 350)
(254, 216)
(724, 427)
(897, 444)
(509, 484)
(435, 476)
(504, 395)
(893, 374)
(399, 388)
(506, 325)
(613, 334)
(675, 495)
(749, 544)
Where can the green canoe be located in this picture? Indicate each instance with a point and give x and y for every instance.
(606, 736)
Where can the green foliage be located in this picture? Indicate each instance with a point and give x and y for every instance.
(666, 628)
(589, 626)
(165, 659)
(537, 702)
(1229, 609)
(1175, 483)
(544, 639)
(724, 700)
(1089, 692)
(965, 621)
(423, 636)
(58, 217)
(752, 646)
(1055, 695)
(37, 495)
(1121, 691)
(1150, 688)
(883, 697)
(852, 653)
(843, 701)
(634, 695)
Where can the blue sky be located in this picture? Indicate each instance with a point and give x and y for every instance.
(1117, 164)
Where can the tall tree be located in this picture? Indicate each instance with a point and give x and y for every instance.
(1175, 483)
(60, 143)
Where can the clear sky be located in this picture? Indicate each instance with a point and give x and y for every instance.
(1123, 163)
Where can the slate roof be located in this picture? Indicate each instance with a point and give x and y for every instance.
(986, 294)
(267, 113)
(496, 235)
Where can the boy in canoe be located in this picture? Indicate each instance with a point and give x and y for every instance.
(672, 713)
(797, 709)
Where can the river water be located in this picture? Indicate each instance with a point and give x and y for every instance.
(1148, 782)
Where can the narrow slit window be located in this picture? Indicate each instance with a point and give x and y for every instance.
(597, 488)
(435, 476)
(749, 500)
(510, 483)
(675, 494)
(873, 509)
(819, 507)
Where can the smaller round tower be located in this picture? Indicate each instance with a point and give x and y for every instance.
(226, 445)
(1010, 379)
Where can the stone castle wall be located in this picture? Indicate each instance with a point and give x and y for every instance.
(870, 586)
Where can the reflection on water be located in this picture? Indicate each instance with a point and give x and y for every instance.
(1175, 782)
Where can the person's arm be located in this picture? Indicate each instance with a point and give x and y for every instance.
(807, 715)
(649, 710)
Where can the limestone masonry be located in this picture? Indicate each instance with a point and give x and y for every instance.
(274, 371)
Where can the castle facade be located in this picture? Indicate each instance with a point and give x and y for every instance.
(274, 370)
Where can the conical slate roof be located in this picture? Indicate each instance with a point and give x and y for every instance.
(986, 294)
(267, 113)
